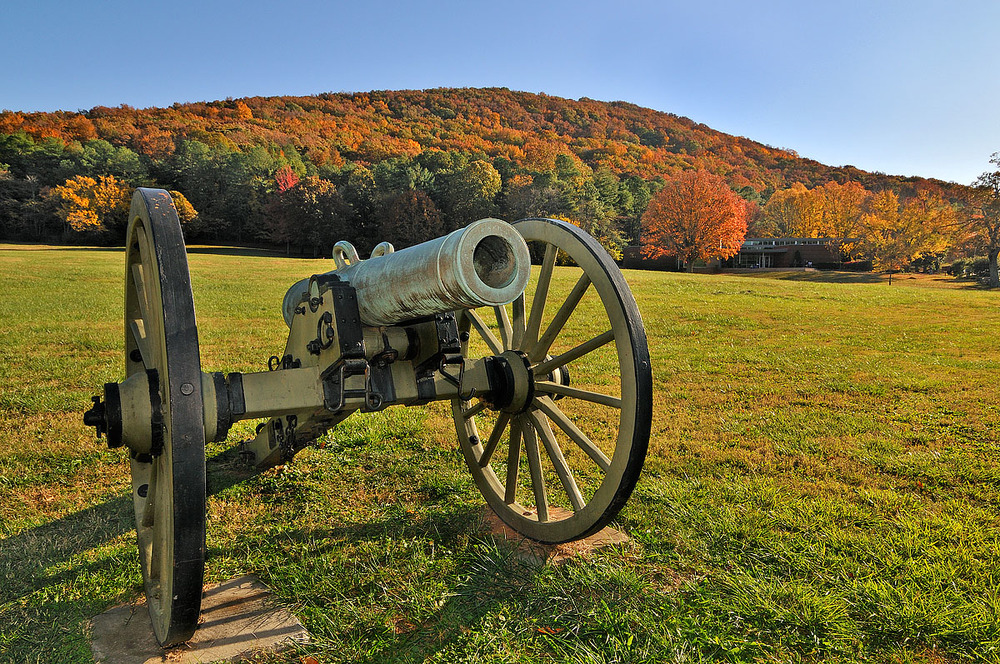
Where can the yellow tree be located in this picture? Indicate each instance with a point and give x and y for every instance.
(843, 206)
(100, 205)
(893, 235)
(782, 212)
(795, 212)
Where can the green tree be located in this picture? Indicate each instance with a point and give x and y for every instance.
(99, 157)
(471, 193)
(312, 214)
(411, 218)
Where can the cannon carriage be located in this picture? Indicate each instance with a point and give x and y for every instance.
(547, 373)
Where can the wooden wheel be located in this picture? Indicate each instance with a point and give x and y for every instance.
(168, 484)
(560, 465)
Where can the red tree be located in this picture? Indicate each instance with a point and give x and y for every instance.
(285, 178)
(696, 215)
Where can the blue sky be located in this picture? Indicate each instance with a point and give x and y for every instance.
(910, 88)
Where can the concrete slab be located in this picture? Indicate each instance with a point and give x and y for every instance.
(537, 553)
(237, 620)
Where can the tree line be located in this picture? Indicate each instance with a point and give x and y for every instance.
(78, 193)
(304, 172)
(696, 215)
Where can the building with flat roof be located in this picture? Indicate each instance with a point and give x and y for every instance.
(760, 253)
(780, 252)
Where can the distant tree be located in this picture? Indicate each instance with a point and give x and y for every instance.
(608, 234)
(362, 196)
(782, 215)
(24, 213)
(842, 208)
(695, 215)
(894, 234)
(94, 206)
(983, 216)
(285, 178)
(185, 211)
(313, 214)
(808, 210)
(525, 198)
(243, 111)
(411, 218)
(99, 157)
(471, 193)
(755, 218)
(636, 194)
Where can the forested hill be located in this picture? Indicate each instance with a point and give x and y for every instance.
(586, 158)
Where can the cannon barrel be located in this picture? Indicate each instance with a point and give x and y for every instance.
(484, 264)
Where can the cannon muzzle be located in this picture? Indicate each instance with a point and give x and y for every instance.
(484, 264)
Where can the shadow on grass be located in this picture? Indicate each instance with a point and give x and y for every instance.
(13, 246)
(25, 557)
(819, 276)
(238, 251)
(39, 562)
(487, 574)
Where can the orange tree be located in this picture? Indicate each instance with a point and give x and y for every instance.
(695, 215)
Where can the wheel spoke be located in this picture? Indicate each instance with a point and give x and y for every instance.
(495, 346)
(562, 469)
(535, 469)
(152, 486)
(503, 322)
(498, 430)
(141, 296)
(559, 320)
(547, 406)
(549, 387)
(518, 322)
(159, 564)
(547, 366)
(475, 410)
(138, 329)
(145, 254)
(538, 301)
(513, 462)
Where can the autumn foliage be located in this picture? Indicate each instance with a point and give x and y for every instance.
(893, 234)
(86, 204)
(981, 228)
(695, 215)
(304, 172)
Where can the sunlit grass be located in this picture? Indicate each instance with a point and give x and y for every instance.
(823, 481)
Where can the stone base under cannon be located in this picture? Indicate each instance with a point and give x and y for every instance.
(238, 619)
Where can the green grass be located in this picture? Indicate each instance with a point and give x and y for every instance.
(823, 483)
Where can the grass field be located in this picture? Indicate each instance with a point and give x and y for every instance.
(823, 483)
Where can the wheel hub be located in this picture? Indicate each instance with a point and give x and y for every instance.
(512, 382)
(130, 414)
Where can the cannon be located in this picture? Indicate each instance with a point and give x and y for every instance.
(546, 370)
